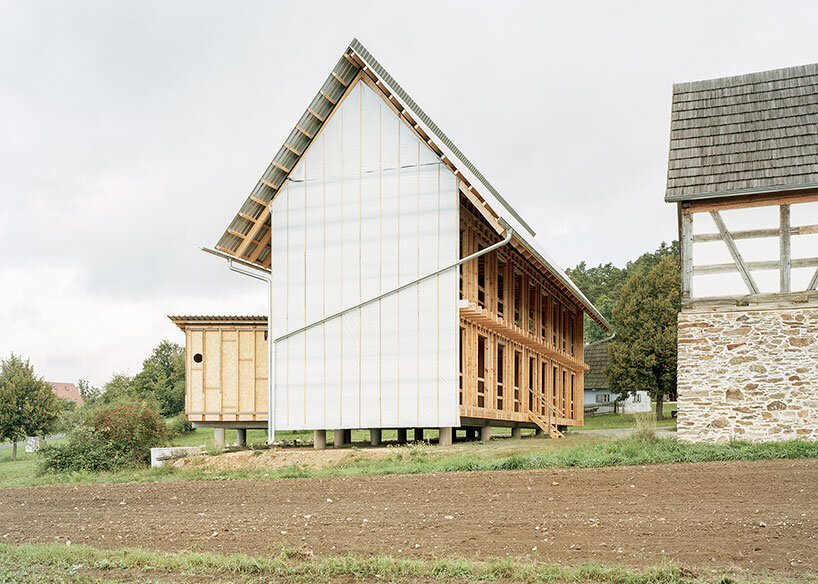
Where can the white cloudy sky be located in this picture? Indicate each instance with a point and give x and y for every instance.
(130, 133)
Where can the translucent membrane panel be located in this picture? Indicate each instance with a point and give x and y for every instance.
(368, 207)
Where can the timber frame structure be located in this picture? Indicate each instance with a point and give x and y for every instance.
(743, 172)
(520, 340)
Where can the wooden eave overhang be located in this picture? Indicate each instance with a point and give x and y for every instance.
(248, 237)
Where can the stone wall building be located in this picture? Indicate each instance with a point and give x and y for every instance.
(743, 172)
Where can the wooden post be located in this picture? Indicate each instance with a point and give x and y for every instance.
(785, 251)
(686, 223)
(319, 440)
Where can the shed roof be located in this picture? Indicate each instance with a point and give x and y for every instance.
(597, 358)
(248, 236)
(754, 133)
(217, 320)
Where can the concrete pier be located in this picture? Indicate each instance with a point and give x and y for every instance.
(319, 439)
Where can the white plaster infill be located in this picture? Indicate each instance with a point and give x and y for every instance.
(159, 456)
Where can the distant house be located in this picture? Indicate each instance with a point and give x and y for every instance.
(67, 391)
(599, 398)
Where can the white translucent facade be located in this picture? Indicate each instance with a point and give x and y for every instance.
(368, 208)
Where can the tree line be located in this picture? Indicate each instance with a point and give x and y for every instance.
(641, 302)
(28, 406)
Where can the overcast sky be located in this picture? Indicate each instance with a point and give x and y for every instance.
(131, 132)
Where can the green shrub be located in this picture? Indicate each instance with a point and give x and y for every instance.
(179, 426)
(111, 437)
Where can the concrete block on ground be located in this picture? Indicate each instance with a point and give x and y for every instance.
(159, 456)
(241, 437)
(402, 436)
(418, 434)
(446, 436)
(516, 433)
(485, 433)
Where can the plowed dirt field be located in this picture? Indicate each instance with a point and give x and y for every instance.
(753, 516)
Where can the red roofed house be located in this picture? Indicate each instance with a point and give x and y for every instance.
(67, 391)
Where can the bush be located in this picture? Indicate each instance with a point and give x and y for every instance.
(111, 437)
(179, 426)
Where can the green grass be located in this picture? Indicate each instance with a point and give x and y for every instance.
(638, 449)
(35, 563)
(615, 421)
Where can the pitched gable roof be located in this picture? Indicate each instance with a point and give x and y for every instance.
(249, 235)
(754, 133)
(67, 391)
(597, 358)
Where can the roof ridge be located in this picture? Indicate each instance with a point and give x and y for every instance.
(746, 78)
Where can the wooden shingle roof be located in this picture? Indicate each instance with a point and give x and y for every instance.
(754, 133)
(597, 358)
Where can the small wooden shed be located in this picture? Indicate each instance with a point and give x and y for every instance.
(225, 370)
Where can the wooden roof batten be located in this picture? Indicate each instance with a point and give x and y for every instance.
(357, 61)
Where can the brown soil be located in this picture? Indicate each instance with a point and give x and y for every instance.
(756, 516)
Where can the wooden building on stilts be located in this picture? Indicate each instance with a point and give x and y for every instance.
(405, 292)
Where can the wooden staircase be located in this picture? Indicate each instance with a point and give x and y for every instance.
(546, 423)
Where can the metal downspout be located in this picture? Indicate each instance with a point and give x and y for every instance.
(271, 430)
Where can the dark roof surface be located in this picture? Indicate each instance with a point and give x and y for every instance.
(747, 134)
(596, 356)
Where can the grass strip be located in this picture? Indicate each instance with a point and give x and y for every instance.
(78, 563)
(640, 448)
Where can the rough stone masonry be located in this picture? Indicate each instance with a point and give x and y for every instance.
(749, 374)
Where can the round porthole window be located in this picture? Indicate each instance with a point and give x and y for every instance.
(197, 357)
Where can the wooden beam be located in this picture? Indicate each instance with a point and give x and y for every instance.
(736, 255)
(293, 150)
(268, 183)
(756, 233)
(349, 58)
(785, 255)
(338, 77)
(255, 199)
(265, 243)
(754, 266)
(813, 283)
(282, 167)
(305, 132)
(746, 201)
(316, 115)
(326, 96)
(687, 255)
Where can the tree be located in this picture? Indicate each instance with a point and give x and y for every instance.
(163, 376)
(89, 393)
(602, 284)
(643, 352)
(28, 407)
(119, 388)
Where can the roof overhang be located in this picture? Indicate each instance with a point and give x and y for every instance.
(184, 322)
(249, 234)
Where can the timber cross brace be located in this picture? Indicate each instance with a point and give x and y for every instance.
(784, 232)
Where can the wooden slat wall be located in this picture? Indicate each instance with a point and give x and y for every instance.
(566, 354)
(230, 382)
